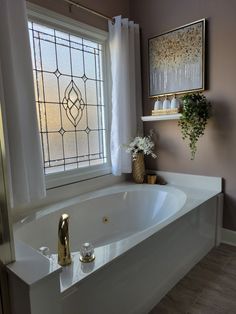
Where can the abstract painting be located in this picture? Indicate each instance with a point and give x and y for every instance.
(176, 60)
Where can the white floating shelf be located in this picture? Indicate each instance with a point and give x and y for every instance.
(162, 117)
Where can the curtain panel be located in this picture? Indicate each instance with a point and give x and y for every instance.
(23, 148)
(124, 44)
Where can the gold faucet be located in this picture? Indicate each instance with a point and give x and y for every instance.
(64, 257)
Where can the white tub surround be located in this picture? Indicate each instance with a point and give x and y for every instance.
(191, 181)
(158, 232)
(34, 285)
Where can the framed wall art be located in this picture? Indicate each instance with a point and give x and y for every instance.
(177, 60)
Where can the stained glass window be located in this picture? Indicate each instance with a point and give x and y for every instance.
(69, 90)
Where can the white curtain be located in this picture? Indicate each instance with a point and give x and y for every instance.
(126, 90)
(18, 107)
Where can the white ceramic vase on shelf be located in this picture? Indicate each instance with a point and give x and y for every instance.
(166, 103)
(174, 103)
(158, 104)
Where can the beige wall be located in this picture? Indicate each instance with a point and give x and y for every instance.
(216, 154)
(107, 7)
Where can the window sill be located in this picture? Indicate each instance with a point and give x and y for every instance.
(59, 194)
(69, 177)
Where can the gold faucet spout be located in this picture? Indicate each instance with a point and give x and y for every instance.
(64, 256)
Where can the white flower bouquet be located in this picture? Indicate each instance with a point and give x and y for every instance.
(140, 144)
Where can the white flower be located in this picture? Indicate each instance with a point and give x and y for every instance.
(141, 145)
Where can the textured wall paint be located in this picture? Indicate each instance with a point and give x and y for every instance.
(216, 155)
(109, 8)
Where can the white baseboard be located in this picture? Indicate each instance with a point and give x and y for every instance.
(219, 218)
(228, 237)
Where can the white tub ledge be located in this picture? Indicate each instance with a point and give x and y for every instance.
(34, 284)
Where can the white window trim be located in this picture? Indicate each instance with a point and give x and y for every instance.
(63, 23)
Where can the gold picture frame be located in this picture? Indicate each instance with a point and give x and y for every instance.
(177, 60)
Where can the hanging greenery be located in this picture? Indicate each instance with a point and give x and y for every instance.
(195, 113)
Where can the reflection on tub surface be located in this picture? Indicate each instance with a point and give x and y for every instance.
(103, 217)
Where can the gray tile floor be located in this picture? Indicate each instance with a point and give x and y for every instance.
(209, 288)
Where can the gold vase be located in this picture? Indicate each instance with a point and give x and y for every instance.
(138, 168)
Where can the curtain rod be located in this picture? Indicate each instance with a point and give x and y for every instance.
(78, 5)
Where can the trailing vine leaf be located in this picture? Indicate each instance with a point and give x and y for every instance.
(195, 113)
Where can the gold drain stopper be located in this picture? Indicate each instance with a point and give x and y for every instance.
(105, 219)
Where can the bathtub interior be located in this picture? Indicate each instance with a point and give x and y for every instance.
(103, 219)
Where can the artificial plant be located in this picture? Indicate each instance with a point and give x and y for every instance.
(195, 113)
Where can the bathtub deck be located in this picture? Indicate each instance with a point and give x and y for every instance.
(209, 288)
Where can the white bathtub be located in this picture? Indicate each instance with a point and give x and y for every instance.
(153, 236)
(129, 209)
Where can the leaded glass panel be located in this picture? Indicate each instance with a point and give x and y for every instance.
(69, 86)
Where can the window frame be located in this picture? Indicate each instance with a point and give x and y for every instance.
(60, 22)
